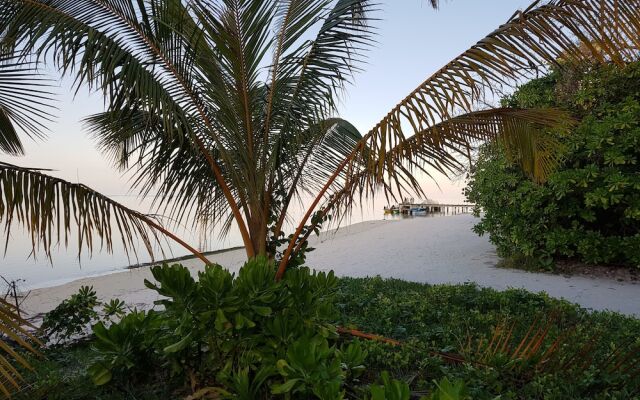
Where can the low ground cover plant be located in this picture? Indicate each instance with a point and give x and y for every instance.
(250, 337)
(508, 345)
(589, 208)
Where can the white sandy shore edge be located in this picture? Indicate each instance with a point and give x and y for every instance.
(433, 250)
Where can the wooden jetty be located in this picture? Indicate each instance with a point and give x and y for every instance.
(409, 206)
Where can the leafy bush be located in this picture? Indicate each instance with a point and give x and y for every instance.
(246, 335)
(62, 375)
(124, 347)
(390, 389)
(72, 318)
(446, 390)
(589, 209)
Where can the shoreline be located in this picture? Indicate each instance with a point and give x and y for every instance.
(185, 257)
(427, 250)
(180, 258)
(117, 270)
(118, 282)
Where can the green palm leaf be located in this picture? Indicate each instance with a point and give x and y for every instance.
(523, 132)
(24, 103)
(52, 210)
(554, 33)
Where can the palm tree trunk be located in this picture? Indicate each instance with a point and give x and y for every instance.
(258, 230)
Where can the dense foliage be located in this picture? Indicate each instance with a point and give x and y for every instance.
(438, 321)
(277, 343)
(589, 209)
(245, 336)
(222, 336)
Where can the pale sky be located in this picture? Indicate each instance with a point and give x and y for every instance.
(413, 42)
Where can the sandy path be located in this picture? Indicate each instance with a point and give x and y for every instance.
(433, 250)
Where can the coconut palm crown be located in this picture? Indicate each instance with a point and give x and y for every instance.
(227, 109)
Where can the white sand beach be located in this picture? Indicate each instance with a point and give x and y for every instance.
(433, 250)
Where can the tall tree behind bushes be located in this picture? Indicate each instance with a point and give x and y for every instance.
(589, 208)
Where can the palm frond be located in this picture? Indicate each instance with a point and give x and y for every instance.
(52, 210)
(152, 56)
(512, 347)
(179, 180)
(306, 169)
(444, 147)
(547, 345)
(239, 30)
(557, 32)
(311, 77)
(16, 340)
(307, 81)
(24, 103)
(554, 33)
(523, 132)
(292, 19)
(100, 44)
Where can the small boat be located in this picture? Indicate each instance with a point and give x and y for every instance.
(393, 210)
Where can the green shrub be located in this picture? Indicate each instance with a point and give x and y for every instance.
(124, 347)
(61, 374)
(310, 368)
(245, 335)
(72, 318)
(446, 390)
(589, 209)
(390, 389)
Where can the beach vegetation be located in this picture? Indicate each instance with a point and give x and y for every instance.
(224, 333)
(72, 316)
(589, 209)
(71, 319)
(450, 342)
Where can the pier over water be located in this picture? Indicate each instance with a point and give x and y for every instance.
(409, 207)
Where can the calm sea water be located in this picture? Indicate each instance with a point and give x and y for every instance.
(18, 263)
(38, 271)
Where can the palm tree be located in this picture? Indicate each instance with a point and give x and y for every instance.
(227, 109)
